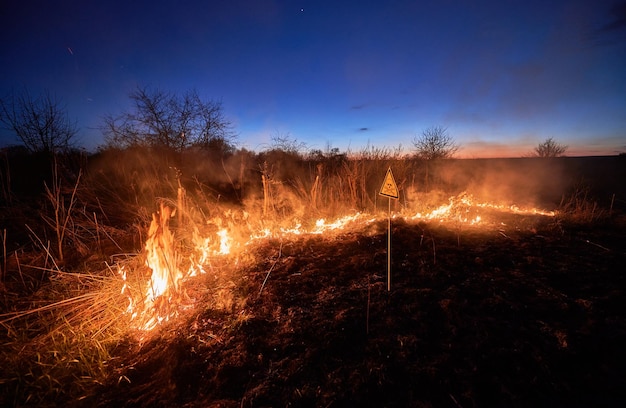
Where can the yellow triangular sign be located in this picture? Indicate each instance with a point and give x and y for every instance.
(389, 187)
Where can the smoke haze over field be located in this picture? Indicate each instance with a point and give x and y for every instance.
(287, 185)
(522, 181)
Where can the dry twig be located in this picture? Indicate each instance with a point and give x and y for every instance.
(280, 251)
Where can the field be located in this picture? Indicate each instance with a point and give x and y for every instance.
(506, 287)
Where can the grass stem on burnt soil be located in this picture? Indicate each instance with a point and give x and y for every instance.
(280, 250)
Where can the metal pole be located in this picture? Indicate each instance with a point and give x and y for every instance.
(389, 248)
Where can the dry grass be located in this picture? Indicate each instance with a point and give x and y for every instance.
(57, 344)
(63, 322)
(580, 207)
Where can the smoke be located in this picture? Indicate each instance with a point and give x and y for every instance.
(519, 181)
(277, 184)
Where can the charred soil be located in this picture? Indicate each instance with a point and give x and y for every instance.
(529, 312)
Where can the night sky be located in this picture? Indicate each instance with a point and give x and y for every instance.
(502, 76)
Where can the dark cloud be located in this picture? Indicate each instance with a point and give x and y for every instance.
(359, 107)
(618, 21)
(613, 29)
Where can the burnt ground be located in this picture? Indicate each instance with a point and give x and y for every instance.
(530, 313)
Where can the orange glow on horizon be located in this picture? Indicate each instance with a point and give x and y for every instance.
(494, 150)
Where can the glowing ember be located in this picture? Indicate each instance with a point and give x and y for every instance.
(126, 291)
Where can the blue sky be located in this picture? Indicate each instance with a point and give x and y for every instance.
(502, 76)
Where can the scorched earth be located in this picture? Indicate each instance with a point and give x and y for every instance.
(521, 309)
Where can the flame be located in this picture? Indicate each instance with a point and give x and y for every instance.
(163, 260)
(126, 290)
(225, 242)
(160, 255)
(462, 208)
(164, 293)
(201, 254)
(322, 227)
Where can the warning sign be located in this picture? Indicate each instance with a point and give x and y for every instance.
(389, 187)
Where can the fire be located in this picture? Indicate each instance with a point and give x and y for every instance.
(321, 226)
(463, 208)
(201, 254)
(225, 242)
(161, 256)
(164, 293)
(163, 260)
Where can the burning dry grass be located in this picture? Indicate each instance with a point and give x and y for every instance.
(60, 343)
(67, 331)
(191, 256)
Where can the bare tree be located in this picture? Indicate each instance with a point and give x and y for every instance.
(162, 119)
(286, 144)
(435, 143)
(41, 123)
(550, 148)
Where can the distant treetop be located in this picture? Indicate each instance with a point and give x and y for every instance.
(435, 143)
(169, 120)
(41, 123)
(550, 148)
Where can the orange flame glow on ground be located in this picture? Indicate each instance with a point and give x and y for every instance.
(164, 292)
(463, 208)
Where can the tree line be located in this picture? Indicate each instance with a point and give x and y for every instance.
(159, 119)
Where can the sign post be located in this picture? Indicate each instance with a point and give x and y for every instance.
(389, 189)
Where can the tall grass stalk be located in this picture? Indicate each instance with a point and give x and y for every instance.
(45, 248)
(580, 207)
(4, 255)
(5, 182)
(58, 347)
(62, 211)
